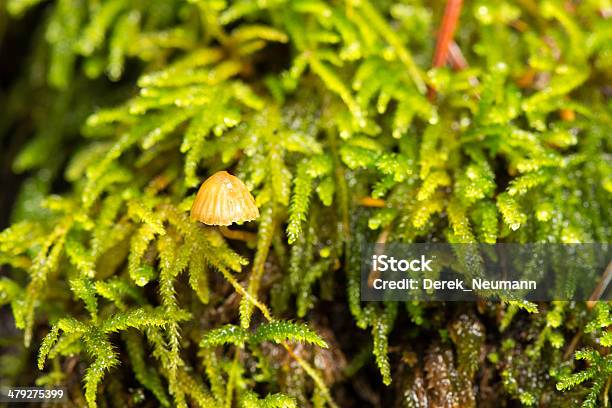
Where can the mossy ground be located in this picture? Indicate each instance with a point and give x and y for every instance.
(112, 113)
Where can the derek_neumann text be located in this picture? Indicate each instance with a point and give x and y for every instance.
(384, 263)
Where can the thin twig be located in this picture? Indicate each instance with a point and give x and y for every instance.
(601, 287)
(447, 31)
(371, 202)
(572, 346)
(380, 246)
(603, 283)
(606, 392)
(445, 36)
(456, 58)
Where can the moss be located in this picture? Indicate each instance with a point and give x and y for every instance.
(336, 120)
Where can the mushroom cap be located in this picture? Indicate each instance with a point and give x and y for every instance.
(222, 200)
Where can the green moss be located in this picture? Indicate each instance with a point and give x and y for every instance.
(322, 108)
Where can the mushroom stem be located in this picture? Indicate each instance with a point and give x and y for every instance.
(237, 235)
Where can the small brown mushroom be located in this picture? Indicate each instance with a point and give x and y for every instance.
(222, 200)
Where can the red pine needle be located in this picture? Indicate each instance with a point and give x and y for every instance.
(452, 11)
(447, 31)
